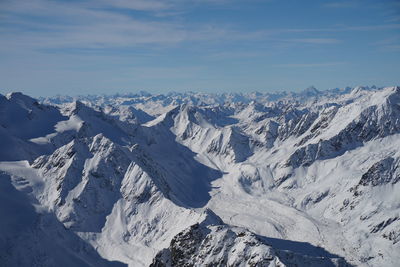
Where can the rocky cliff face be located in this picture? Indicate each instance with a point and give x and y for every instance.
(213, 243)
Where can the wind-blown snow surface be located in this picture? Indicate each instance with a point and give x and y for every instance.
(285, 179)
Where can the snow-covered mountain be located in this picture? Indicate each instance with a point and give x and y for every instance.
(192, 179)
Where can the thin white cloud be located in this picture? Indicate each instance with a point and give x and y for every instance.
(310, 65)
(61, 24)
(41, 24)
(223, 55)
(373, 27)
(393, 47)
(45, 24)
(145, 5)
(345, 28)
(389, 44)
(315, 40)
(341, 4)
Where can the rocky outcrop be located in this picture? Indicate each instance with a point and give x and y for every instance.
(213, 243)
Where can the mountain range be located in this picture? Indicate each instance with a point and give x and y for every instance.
(305, 178)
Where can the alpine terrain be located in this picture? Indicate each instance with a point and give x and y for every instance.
(308, 178)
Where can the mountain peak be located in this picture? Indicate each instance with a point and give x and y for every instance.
(310, 91)
(23, 100)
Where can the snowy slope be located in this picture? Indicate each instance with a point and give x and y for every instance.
(22, 119)
(306, 179)
(32, 236)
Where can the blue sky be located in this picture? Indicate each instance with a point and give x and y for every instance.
(99, 46)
